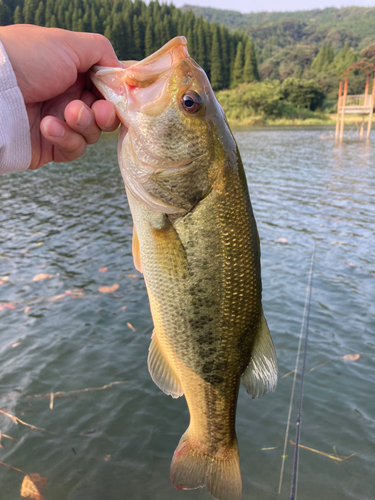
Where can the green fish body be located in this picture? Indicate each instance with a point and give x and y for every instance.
(196, 242)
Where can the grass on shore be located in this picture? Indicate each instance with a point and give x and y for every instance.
(319, 119)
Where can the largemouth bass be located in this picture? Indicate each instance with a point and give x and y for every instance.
(196, 241)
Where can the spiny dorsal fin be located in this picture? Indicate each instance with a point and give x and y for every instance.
(260, 376)
(136, 252)
(161, 371)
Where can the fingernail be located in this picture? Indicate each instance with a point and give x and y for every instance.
(83, 118)
(110, 120)
(54, 129)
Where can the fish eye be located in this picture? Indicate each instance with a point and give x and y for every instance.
(191, 101)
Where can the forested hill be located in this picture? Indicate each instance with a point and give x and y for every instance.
(355, 25)
(137, 30)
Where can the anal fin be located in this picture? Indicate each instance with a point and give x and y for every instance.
(260, 376)
(161, 371)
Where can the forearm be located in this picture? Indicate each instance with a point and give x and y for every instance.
(15, 142)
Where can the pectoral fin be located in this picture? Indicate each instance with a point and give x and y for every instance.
(161, 371)
(136, 252)
(260, 376)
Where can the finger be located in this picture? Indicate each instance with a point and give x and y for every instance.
(69, 145)
(105, 115)
(81, 119)
(92, 48)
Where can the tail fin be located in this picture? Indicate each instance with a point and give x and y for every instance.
(192, 468)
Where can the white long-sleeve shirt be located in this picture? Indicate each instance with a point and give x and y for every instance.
(15, 141)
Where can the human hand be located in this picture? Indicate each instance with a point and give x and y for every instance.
(64, 109)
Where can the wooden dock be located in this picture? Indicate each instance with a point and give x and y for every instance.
(362, 104)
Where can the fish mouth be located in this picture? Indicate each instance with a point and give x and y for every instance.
(142, 73)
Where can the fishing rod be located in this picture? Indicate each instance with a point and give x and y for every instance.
(298, 424)
(304, 327)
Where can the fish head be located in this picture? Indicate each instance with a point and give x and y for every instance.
(171, 120)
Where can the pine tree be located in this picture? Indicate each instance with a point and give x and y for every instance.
(39, 15)
(323, 59)
(102, 17)
(137, 46)
(159, 38)
(119, 35)
(94, 20)
(224, 56)
(68, 20)
(216, 61)
(53, 22)
(232, 57)
(207, 35)
(237, 76)
(167, 28)
(77, 22)
(190, 42)
(345, 58)
(201, 49)
(29, 10)
(250, 69)
(86, 21)
(108, 32)
(48, 13)
(5, 14)
(18, 17)
(329, 56)
(149, 38)
(60, 16)
(317, 63)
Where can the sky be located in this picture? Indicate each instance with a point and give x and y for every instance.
(273, 5)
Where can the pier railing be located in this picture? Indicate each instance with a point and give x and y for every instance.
(360, 103)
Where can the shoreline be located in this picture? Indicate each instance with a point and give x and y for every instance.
(328, 121)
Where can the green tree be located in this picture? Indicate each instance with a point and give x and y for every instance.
(18, 17)
(95, 24)
(5, 14)
(29, 9)
(201, 48)
(77, 21)
(48, 13)
(119, 35)
(237, 76)
(224, 45)
(53, 22)
(303, 93)
(39, 19)
(137, 44)
(323, 59)
(149, 38)
(108, 32)
(345, 58)
(216, 61)
(250, 69)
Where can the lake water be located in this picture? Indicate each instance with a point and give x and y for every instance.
(60, 334)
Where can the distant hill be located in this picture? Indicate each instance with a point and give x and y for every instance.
(355, 25)
(310, 44)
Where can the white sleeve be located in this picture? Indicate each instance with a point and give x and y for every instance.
(15, 141)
